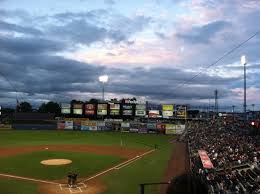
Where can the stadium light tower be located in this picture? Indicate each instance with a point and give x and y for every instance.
(243, 62)
(103, 79)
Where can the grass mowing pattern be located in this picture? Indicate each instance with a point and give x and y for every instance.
(146, 170)
(28, 164)
(126, 180)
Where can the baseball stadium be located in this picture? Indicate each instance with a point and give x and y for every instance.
(129, 97)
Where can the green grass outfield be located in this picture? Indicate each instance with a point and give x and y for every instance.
(126, 180)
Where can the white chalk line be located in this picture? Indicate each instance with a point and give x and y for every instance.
(119, 166)
(28, 179)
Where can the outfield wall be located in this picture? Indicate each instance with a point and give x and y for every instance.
(123, 126)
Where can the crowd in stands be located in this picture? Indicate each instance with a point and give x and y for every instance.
(234, 154)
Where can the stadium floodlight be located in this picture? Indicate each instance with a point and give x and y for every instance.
(243, 62)
(103, 79)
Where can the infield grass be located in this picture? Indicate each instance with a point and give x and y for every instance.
(126, 180)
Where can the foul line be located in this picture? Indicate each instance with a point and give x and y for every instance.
(119, 166)
(28, 179)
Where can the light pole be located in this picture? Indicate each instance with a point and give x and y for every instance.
(233, 112)
(103, 79)
(243, 62)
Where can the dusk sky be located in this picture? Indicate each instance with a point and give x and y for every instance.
(57, 49)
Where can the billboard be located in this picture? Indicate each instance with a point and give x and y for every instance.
(90, 109)
(167, 110)
(127, 109)
(77, 109)
(154, 113)
(65, 108)
(114, 109)
(61, 125)
(170, 129)
(181, 111)
(89, 125)
(140, 110)
(205, 160)
(69, 125)
(102, 109)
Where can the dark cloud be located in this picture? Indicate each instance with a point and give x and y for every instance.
(203, 34)
(97, 26)
(20, 45)
(4, 26)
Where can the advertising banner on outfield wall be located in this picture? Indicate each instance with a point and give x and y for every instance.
(109, 125)
(61, 125)
(68, 125)
(140, 113)
(151, 127)
(77, 125)
(134, 127)
(101, 126)
(180, 129)
(125, 126)
(142, 128)
(102, 109)
(89, 125)
(160, 127)
(90, 109)
(170, 129)
(65, 108)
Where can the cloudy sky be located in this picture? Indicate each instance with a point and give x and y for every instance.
(56, 50)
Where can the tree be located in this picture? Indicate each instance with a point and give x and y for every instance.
(50, 107)
(25, 107)
(93, 101)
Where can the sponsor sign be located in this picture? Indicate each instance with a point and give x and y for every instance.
(61, 125)
(69, 125)
(65, 108)
(161, 127)
(5, 126)
(125, 125)
(101, 126)
(127, 112)
(180, 129)
(114, 112)
(109, 126)
(77, 125)
(140, 113)
(90, 109)
(206, 162)
(101, 112)
(170, 131)
(167, 107)
(170, 126)
(102, 109)
(127, 106)
(140, 107)
(167, 110)
(77, 111)
(114, 106)
(134, 127)
(114, 109)
(142, 130)
(154, 113)
(89, 125)
(181, 111)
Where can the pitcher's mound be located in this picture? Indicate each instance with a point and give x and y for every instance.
(56, 162)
